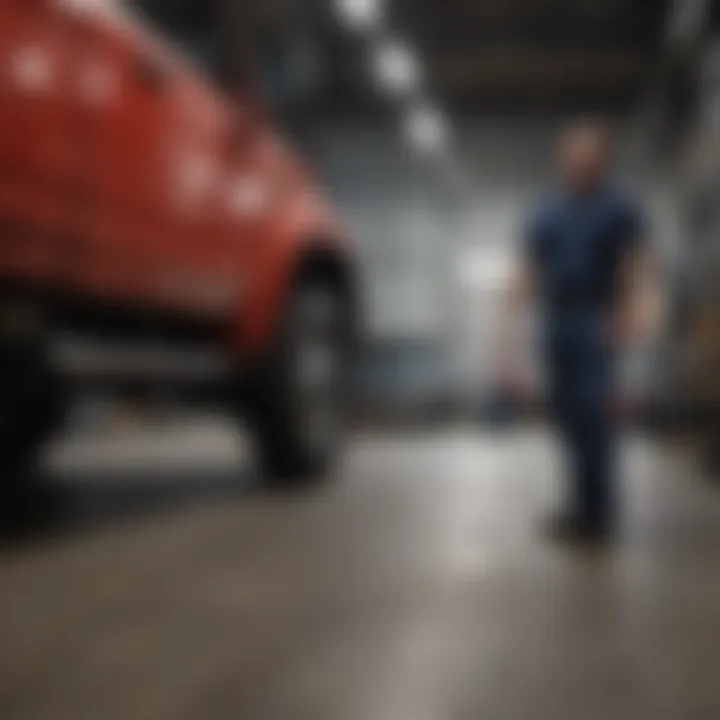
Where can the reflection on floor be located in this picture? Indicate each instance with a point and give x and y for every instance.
(415, 588)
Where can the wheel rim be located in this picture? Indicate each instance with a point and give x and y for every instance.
(318, 372)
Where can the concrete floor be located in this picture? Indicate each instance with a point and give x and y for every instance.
(415, 588)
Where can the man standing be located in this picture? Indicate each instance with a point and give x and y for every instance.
(585, 260)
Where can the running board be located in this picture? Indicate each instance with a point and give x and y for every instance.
(133, 361)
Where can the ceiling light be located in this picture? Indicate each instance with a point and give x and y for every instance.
(396, 68)
(686, 20)
(426, 130)
(360, 14)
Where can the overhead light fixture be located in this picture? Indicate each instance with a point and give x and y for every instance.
(426, 130)
(396, 68)
(687, 19)
(360, 15)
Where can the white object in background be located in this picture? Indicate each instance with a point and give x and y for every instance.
(486, 269)
(361, 15)
(426, 130)
(396, 68)
(687, 19)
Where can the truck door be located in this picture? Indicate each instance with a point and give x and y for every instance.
(199, 186)
(156, 133)
(125, 86)
(39, 158)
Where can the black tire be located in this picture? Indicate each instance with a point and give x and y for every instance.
(300, 429)
(31, 410)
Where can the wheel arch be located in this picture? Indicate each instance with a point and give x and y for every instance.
(320, 261)
(314, 257)
(329, 263)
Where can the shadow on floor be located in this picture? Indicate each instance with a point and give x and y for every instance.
(48, 506)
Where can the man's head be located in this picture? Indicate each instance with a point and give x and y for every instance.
(584, 156)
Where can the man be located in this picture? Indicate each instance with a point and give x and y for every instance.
(585, 260)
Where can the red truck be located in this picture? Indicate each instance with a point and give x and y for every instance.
(154, 229)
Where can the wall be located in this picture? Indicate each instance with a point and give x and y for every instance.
(394, 207)
(436, 255)
(391, 204)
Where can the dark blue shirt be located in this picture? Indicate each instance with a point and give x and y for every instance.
(577, 244)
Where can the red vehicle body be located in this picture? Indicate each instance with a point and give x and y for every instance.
(131, 188)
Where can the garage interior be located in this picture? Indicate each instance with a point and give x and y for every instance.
(151, 578)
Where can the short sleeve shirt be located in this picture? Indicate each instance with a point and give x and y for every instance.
(577, 245)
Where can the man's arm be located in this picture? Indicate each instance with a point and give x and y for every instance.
(638, 310)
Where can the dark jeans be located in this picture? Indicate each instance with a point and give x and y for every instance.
(580, 364)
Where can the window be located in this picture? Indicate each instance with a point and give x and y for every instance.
(191, 24)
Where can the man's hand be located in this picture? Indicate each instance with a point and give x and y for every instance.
(640, 309)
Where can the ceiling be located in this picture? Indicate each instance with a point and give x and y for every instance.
(500, 54)
(477, 55)
(518, 52)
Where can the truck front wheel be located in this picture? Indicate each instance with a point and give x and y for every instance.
(299, 400)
